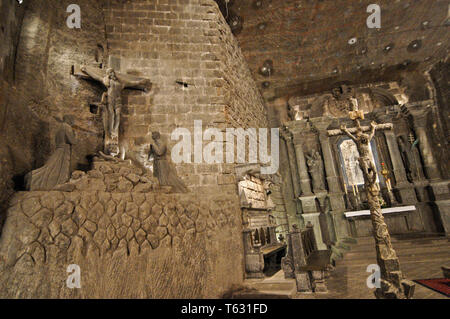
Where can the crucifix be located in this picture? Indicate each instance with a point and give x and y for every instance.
(111, 100)
(392, 283)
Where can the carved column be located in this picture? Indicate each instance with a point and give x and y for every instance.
(334, 188)
(307, 198)
(419, 114)
(402, 185)
(298, 131)
(439, 187)
(287, 136)
(305, 182)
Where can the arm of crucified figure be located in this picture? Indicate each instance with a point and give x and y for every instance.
(345, 130)
(373, 127)
(93, 75)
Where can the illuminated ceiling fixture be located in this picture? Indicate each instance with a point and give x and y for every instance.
(257, 4)
(414, 46)
(267, 68)
(425, 24)
(389, 47)
(362, 50)
(20, 1)
(352, 41)
(262, 26)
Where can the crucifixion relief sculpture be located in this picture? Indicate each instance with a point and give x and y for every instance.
(111, 101)
(393, 284)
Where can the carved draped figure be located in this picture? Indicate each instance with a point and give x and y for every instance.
(163, 169)
(57, 168)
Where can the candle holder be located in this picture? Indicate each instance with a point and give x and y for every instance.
(385, 173)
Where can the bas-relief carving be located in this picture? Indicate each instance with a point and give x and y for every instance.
(57, 168)
(334, 103)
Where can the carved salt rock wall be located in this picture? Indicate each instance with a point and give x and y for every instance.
(6, 184)
(121, 177)
(252, 192)
(140, 245)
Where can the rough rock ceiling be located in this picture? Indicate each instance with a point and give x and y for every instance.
(312, 40)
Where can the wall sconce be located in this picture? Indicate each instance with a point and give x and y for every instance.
(414, 46)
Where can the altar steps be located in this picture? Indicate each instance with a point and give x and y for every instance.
(427, 247)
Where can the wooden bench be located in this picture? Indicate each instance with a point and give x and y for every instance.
(305, 262)
(316, 260)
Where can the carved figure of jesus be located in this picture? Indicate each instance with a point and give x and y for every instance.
(112, 99)
(362, 141)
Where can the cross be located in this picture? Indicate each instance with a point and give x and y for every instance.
(393, 285)
(111, 101)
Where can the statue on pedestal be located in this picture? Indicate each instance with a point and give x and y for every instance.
(315, 168)
(57, 168)
(408, 150)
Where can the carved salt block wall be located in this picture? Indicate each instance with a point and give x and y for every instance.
(11, 17)
(279, 211)
(144, 245)
(187, 42)
(44, 89)
(252, 192)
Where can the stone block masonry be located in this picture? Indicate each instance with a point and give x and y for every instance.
(198, 73)
(129, 238)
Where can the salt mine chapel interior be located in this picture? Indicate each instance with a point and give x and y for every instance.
(224, 149)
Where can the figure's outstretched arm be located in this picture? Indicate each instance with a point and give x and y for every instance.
(93, 75)
(129, 82)
(345, 130)
(373, 127)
